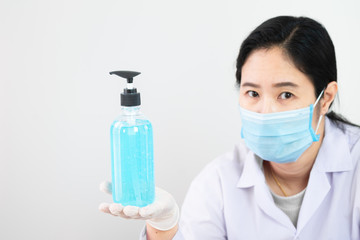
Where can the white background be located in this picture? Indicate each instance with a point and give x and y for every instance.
(57, 99)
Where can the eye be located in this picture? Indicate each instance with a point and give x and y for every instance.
(252, 94)
(286, 95)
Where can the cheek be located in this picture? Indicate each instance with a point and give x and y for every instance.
(242, 99)
(247, 102)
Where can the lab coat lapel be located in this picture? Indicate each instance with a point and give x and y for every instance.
(253, 176)
(314, 196)
(266, 203)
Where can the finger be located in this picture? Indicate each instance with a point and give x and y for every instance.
(105, 187)
(104, 207)
(116, 209)
(132, 212)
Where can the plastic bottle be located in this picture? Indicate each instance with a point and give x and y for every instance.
(132, 150)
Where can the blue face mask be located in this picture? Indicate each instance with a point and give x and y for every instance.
(279, 137)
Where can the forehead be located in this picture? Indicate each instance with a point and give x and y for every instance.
(267, 67)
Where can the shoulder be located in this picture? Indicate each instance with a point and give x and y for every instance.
(353, 138)
(343, 143)
(352, 133)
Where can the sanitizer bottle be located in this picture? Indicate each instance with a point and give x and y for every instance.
(132, 150)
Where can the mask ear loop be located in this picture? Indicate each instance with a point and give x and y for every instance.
(321, 116)
(318, 99)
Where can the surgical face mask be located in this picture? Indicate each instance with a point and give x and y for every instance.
(279, 137)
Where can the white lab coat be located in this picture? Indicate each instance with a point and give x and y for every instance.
(230, 200)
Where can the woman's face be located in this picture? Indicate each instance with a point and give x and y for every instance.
(270, 82)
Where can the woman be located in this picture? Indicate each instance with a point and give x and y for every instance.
(296, 173)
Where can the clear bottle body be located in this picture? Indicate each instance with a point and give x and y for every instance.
(132, 159)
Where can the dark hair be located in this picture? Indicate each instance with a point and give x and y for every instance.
(308, 45)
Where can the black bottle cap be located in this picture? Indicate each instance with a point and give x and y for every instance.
(130, 97)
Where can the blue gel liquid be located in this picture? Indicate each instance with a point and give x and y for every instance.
(132, 163)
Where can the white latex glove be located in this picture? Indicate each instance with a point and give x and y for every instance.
(162, 214)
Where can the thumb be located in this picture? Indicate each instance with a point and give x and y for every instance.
(106, 187)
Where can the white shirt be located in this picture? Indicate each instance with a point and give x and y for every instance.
(229, 199)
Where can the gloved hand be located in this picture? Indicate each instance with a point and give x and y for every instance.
(162, 214)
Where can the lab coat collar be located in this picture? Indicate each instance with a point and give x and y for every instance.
(251, 172)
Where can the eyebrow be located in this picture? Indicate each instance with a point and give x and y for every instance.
(249, 84)
(277, 85)
(285, 84)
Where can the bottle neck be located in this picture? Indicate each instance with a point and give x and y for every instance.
(130, 111)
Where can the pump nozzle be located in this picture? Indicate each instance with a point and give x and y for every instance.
(129, 75)
(130, 97)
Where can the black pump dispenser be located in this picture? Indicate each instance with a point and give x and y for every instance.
(130, 97)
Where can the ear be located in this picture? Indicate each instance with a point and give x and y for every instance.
(329, 96)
